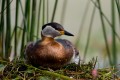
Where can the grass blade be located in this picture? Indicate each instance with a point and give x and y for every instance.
(25, 28)
(28, 19)
(32, 30)
(89, 33)
(38, 21)
(118, 7)
(43, 18)
(47, 11)
(114, 51)
(8, 31)
(16, 23)
(106, 19)
(104, 32)
(63, 11)
(2, 29)
(6, 7)
(54, 10)
(82, 24)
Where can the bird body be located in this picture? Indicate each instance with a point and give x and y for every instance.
(50, 52)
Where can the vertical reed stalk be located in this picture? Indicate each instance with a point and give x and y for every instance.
(2, 28)
(104, 32)
(16, 23)
(114, 51)
(27, 6)
(118, 8)
(43, 21)
(28, 18)
(89, 33)
(38, 21)
(8, 31)
(32, 30)
(47, 11)
(82, 24)
(104, 16)
(54, 10)
(64, 7)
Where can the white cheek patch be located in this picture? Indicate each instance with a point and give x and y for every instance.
(48, 29)
(50, 32)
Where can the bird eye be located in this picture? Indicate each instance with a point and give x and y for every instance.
(59, 29)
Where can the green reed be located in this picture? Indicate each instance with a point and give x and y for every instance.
(114, 50)
(54, 10)
(8, 30)
(105, 17)
(117, 2)
(38, 20)
(2, 23)
(89, 32)
(2, 27)
(33, 19)
(26, 27)
(16, 23)
(104, 31)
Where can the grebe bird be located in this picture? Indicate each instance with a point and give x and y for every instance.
(50, 52)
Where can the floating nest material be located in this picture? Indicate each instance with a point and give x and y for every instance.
(19, 70)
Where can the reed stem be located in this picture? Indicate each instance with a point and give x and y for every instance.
(32, 30)
(89, 33)
(2, 29)
(38, 21)
(104, 32)
(25, 28)
(16, 23)
(54, 10)
(114, 51)
(8, 31)
(104, 16)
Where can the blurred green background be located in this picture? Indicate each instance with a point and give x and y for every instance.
(95, 24)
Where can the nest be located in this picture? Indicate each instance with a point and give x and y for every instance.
(18, 69)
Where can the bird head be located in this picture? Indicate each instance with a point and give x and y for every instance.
(53, 30)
